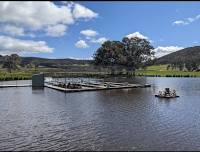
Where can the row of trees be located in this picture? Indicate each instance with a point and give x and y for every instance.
(134, 53)
(189, 66)
(11, 62)
(130, 53)
(14, 62)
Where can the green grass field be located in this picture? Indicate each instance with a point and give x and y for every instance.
(161, 71)
(26, 73)
(157, 68)
(153, 71)
(5, 76)
(21, 74)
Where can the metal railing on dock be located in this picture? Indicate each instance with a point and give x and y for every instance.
(16, 83)
(87, 84)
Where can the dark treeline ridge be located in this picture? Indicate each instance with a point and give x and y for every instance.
(185, 59)
(130, 53)
(36, 61)
(52, 62)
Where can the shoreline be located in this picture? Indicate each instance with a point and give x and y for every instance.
(96, 75)
(151, 71)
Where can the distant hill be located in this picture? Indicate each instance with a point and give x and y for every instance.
(50, 62)
(190, 54)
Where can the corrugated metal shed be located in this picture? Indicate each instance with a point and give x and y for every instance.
(38, 80)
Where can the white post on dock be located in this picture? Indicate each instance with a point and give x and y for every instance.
(65, 82)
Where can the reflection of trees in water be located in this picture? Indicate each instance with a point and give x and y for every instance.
(122, 92)
(140, 80)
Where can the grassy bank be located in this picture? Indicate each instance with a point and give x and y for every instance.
(152, 71)
(5, 76)
(161, 71)
(26, 74)
(21, 74)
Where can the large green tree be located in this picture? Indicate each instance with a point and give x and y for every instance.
(137, 52)
(109, 54)
(11, 62)
(131, 53)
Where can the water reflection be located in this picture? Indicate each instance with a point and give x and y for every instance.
(127, 119)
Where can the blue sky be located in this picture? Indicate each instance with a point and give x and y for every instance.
(77, 29)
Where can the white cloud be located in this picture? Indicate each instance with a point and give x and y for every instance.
(36, 16)
(180, 22)
(69, 4)
(13, 30)
(100, 40)
(90, 36)
(83, 12)
(89, 33)
(137, 34)
(161, 51)
(76, 58)
(81, 44)
(10, 45)
(186, 21)
(64, 2)
(57, 30)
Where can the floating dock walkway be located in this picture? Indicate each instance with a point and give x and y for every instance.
(86, 87)
(97, 87)
(17, 85)
(38, 81)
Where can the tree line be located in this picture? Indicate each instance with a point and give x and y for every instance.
(187, 59)
(188, 65)
(11, 62)
(131, 53)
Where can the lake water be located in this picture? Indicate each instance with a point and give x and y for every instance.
(128, 119)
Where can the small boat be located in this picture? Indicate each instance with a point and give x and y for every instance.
(167, 94)
(161, 96)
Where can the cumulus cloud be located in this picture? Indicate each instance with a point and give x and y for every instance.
(81, 44)
(12, 30)
(76, 58)
(57, 30)
(9, 45)
(137, 34)
(180, 22)
(34, 14)
(186, 21)
(64, 2)
(100, 40)
(91, 37)
(80, 11)
(38, 16)
(161, 51)
(89, 33)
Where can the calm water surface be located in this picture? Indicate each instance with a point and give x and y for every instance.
(129, 119)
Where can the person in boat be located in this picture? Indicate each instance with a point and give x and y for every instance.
(160, 93)
(68, 85)
(167, 92)
(174, 93)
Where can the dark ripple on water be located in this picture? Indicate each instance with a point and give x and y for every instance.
(129, 119)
